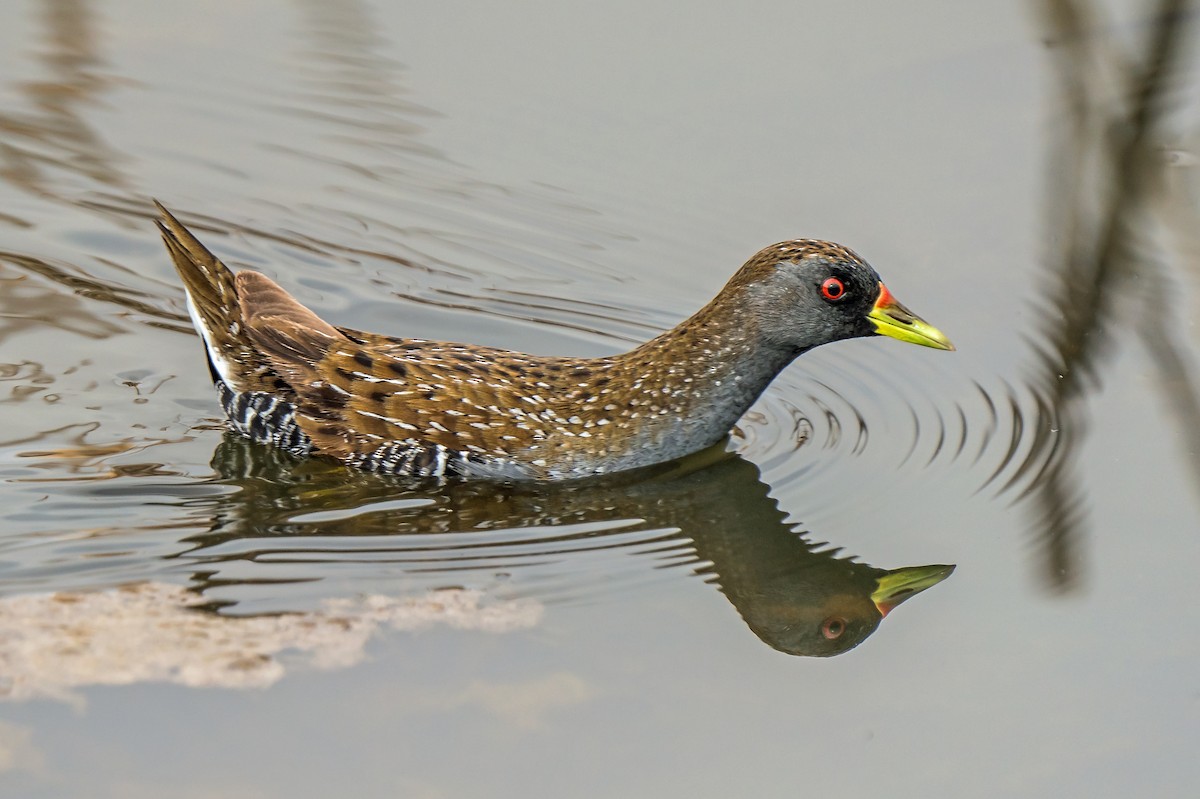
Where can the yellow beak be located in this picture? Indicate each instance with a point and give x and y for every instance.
(891, 318)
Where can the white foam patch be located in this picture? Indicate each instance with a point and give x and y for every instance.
(53, 644)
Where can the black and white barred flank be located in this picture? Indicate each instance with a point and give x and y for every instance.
(264, 418)
(267, 419)
(412, 458)
(418, 459)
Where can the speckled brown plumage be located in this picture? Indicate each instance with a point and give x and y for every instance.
(428, 408)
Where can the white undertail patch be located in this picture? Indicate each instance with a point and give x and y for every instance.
(224, 367)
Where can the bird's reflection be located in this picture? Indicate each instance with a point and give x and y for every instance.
(797, 594)
(802, 597)
(712, 515)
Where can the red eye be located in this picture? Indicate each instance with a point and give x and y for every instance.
(833, 289)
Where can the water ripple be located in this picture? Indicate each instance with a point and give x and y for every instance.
(1007, 434)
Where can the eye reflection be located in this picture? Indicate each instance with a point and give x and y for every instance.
(833, 627)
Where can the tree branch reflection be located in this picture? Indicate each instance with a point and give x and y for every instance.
(1106, 170)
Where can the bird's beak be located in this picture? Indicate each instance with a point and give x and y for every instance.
(899, 584)
(891, 318)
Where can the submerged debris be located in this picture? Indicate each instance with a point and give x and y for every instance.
(154, 632)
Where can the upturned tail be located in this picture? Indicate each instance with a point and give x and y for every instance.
(216, 310)
(235, 315)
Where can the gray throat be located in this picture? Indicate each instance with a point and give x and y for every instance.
(713, 376)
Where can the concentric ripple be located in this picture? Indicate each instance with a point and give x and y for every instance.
(828, 409)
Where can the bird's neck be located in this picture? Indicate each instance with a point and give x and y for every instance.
(692, 383)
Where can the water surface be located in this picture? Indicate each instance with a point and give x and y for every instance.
(183, 614)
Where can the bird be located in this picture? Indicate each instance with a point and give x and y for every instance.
(418, 408)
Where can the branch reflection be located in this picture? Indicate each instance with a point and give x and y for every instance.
(1105, 192)
(57, 135)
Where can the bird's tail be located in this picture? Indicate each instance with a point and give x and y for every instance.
(212, 301)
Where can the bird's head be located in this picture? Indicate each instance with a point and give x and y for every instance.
(806, 293)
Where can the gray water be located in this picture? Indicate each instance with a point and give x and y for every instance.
(186, 615)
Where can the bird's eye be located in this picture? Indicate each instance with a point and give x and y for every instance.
(834, 626)
(833, 289)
